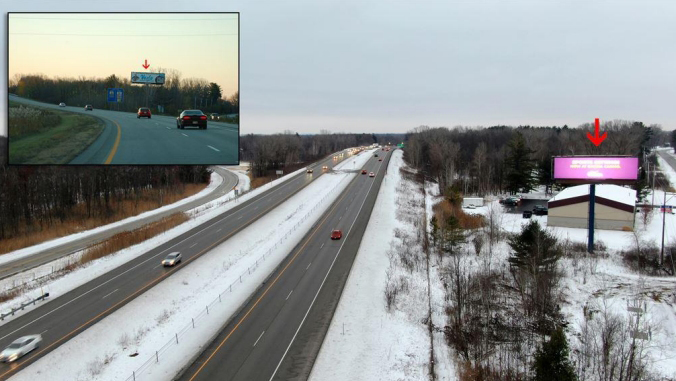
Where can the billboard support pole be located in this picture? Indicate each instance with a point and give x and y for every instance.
(592, 201)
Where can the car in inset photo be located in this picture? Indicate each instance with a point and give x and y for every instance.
(62, 104)
(336, 234)
(172, 259)
(89, 108)
(214, 116)
(20, 347)
(143, 112)
(192, 118)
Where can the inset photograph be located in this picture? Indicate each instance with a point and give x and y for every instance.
(123, 88)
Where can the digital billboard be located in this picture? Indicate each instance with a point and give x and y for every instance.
(596, 169)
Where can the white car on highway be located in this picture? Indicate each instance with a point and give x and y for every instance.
(172, 259)
(20, 347)
(62, 104)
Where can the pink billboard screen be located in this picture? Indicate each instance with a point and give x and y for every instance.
(596, 168)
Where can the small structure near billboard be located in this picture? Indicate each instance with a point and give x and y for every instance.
(615, 206)
(474, 201)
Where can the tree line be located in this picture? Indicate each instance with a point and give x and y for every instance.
(504, 159)
(33, 198)
(175, 95)
(267, 153)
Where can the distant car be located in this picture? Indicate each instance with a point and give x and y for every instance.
(192, 118)
(309, 170)
(527, 214)
(540, 210)
(471, 206)
(326, 167)
(363, 172)
(372, 174)
(381, 159)
(143, 112)
(376, 155)
(89, 108)
(336, 234)
(20, 347)
(214, 116)
(172, 259)
(62, 104)
(512, 201)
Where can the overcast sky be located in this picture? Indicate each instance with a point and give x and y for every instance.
(389, 66)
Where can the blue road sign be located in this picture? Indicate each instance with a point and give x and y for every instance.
(115, 95)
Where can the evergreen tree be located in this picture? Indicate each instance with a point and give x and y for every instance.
(452, 235)
(551, 361)
(435, 230)
(534, 250)
(520, 166)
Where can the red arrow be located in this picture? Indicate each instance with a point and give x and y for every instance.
(596, 139)
(145, 66)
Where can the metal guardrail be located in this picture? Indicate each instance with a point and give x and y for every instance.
(23, 305)
(175, 340)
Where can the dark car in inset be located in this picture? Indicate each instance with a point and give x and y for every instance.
(143, 112)
(192, 118)
(89, 108)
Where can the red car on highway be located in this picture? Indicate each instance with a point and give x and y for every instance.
(143, 112)
(336, 234)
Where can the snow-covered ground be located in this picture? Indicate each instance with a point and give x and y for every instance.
(214, 182)
(365, 341)
(103, 351)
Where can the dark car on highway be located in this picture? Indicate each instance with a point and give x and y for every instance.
(192, 118)
(89, 108)
(143, 112)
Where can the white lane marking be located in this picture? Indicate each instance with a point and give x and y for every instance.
(214, 149)
(184, 134)
(280, 187)
(168, 128)
(339, 218)
(218, 230)
(193, 245)
(308, 266)
(259, 337)
(322, 284)
(107, 295)
(287, 297)
(239, 218)
(321, 246)
(157, 266)
(43, 332)
(255, 208)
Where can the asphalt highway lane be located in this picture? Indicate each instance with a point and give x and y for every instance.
(129, 140)
(64, 316)
(279, 332)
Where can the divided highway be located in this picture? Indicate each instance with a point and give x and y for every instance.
(277, 335)
(131, 141)
(42, 257)
(67, 315)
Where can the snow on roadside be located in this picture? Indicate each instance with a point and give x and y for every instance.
(364, 341)
(214, 182)
(668, 170)
(103, 350)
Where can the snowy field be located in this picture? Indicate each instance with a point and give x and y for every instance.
(365, 341)
(104, 350)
